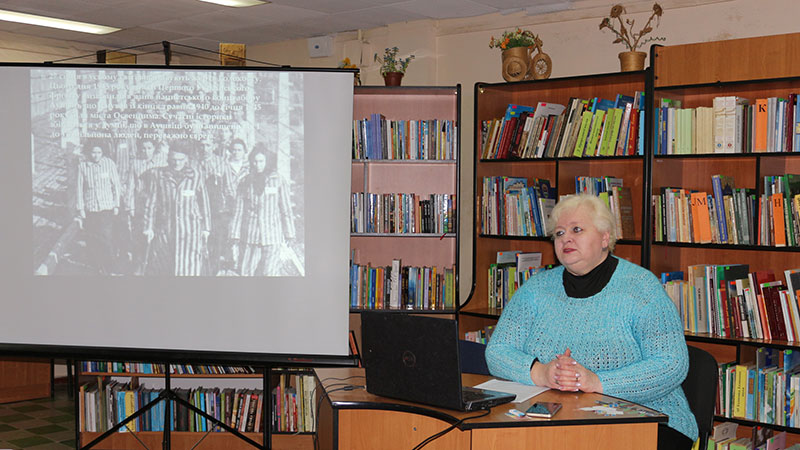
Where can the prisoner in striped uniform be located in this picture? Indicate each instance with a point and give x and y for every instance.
(137, 192)
(234, 171)
(263, 217)
(176, 219)
(98, 200)
(212, 168)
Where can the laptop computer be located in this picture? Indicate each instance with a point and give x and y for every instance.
(415, 358)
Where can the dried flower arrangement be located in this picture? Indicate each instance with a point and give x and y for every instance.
(631, 39)
(516, 38)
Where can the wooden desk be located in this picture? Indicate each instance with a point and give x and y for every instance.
(355, 419)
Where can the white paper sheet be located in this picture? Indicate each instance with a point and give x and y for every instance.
(522, 391)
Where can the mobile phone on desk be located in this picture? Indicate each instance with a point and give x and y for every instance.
(543, 409)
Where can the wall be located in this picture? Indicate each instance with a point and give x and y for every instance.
(454, 51)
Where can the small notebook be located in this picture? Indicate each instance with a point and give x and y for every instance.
(415, 358)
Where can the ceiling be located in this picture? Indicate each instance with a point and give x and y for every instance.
(205, 25)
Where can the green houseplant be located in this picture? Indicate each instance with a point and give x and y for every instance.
(393, 67)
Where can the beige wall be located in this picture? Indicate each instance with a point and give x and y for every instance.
(456, 51)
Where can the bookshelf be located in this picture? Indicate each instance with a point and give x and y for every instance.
(405, 180)
(141, 380)
(764, 67)
(491, 101)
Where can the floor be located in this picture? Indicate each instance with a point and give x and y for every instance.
(43, 424)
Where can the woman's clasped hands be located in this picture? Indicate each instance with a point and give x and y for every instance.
(565, 374)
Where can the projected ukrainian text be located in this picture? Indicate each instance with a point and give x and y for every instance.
(165, 173)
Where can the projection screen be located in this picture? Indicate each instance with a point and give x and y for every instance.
(181, 210)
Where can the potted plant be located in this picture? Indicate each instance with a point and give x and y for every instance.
(516, 47)
(392, 67)
(631, 59)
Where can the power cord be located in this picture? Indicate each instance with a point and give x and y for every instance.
(432, 438)
(344, 387)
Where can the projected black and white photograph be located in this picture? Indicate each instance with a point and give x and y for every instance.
(167, 173)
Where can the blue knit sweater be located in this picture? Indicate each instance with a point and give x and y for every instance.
(629, 334)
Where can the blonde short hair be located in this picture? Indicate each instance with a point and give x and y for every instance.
(601, 215)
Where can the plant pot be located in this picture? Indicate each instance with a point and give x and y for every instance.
(630, 61)
(516, 63)
(393, 78)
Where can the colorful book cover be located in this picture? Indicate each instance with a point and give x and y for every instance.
(701, 222)
(778, 220)
(722, 186)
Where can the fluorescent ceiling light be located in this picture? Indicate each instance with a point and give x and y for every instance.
(31, 19)
(236, 3)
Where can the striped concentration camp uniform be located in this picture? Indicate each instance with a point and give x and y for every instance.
(98, 195)
(98, 185)
(177, 211)
(263, 218)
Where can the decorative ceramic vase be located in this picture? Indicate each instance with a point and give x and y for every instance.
(393, 78)
(630, 61)
(516, 63)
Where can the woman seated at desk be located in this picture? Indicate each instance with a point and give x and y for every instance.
(597, 323)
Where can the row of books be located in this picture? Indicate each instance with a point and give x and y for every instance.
(731, 301)
(149, 368)
(726, 437)
(481, 336)
(765, 390)
(583, 127)
(376, 137)
(510, 270)
(731, 125)
(294, 403)
(730, 215)
(106, 403)
(402, 213)
(512, 207)
(401, 287)
(616, 196)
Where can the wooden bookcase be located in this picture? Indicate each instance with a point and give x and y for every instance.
(491, 101)
(695, 74)
(418, 176)
(24, 379)
(283, 440)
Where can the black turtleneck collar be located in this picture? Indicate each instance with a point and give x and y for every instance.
(583, 286)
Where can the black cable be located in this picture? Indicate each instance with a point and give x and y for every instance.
(220, 53)
(94, 55)
(192, 55)
(449, 429)
(160, 50)
(341, 379)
